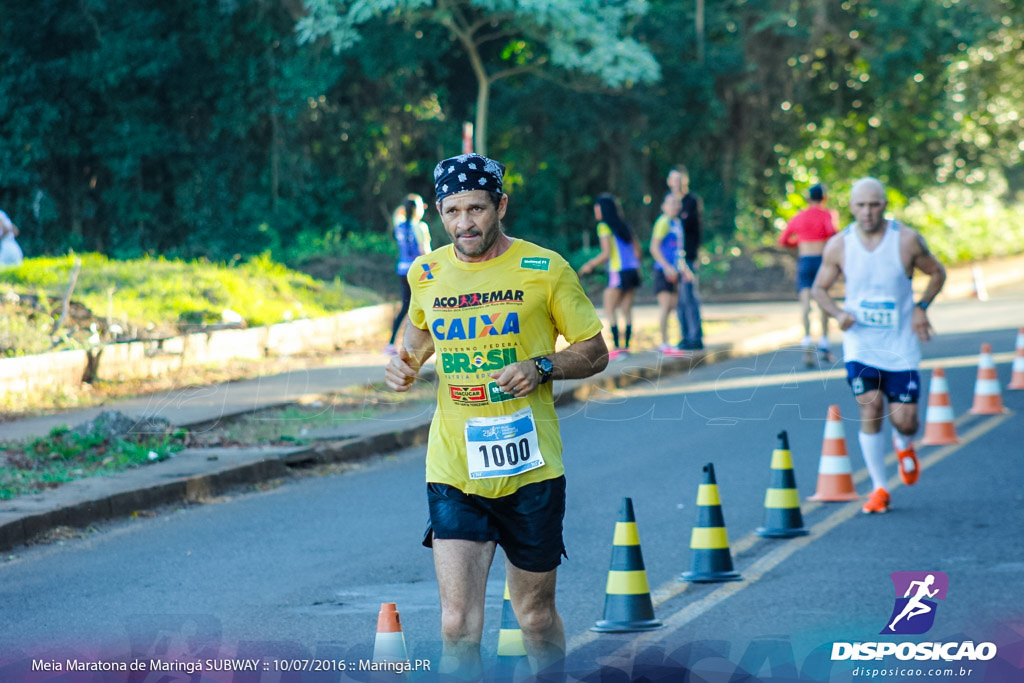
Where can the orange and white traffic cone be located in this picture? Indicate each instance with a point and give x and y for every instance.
(835, 474)
(1017, 378)
(938, 421)
(988, 399)
(389, 646)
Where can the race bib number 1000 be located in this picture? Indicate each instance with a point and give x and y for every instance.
(878, 312)
(502, 446)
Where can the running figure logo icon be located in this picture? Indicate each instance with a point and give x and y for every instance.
(914, 612)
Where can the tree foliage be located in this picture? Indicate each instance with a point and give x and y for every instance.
(505, 38)
(226, 127)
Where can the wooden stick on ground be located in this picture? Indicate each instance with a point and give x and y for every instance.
(67, 299)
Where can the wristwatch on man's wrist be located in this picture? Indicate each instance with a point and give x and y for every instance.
(544, 368)
(923, 305)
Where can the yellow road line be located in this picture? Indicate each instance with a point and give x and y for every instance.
(776, 556)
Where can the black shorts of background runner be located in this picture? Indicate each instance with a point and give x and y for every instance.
(661, 283)
(626, 280)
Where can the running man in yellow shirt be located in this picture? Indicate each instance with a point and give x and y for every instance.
(490, 307)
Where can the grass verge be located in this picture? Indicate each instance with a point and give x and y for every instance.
(64, 456)
(155, 297)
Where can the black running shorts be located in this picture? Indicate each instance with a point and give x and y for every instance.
(661, 283)
(526, 524)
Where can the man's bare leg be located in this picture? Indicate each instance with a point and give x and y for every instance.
(462, 568)
(533, 601)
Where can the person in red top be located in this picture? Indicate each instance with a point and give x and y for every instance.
(807, 232)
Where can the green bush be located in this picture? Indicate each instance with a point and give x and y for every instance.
(961, 225)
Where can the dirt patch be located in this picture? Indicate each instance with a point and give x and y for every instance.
(762, 275)
(311, 419)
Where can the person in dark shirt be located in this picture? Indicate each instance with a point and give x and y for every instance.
(688, 308)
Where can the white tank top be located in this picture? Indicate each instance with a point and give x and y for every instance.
(879, 295)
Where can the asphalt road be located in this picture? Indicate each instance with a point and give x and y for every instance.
(300, 570)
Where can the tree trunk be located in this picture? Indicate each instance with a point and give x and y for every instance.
(483, 82)
(483, 103)
(275, 134)
(698, 21)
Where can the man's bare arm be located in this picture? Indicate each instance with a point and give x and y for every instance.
(926, 262)
(582, 359)
(828, 273)
(579, 360)
(922, 259)
(417, 346)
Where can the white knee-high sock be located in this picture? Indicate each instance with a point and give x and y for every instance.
(872, 447)
(901, 441)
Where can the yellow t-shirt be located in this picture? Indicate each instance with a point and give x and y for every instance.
(482, 317)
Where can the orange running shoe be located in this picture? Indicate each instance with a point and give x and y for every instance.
(878, 502)
(907, 461)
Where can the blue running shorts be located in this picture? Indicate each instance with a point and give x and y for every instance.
(900, 386)
(806, 270)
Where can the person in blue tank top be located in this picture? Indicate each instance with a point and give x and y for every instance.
(413, 238)
(882, 327)
(669, 266)
(621, 250)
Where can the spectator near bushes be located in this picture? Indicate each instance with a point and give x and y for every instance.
(10, 251)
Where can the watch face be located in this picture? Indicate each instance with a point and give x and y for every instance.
(546, 365)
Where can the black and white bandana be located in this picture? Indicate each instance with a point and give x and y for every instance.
(467, 172)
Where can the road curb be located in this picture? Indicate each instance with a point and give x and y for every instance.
(132, 498)
(137, 490)
(133, 491)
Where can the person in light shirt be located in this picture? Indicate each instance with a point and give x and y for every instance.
(10, 251)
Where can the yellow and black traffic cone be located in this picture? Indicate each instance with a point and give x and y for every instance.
(782, 518)
(710, 560)
(511, 650)
(627, 602)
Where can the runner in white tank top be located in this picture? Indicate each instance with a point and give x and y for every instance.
(879, 296)
(879, 319)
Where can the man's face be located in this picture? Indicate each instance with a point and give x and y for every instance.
(867, 203)
(472, 222)
(677, 182)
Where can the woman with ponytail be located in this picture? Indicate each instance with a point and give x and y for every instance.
(413, 238)
(621, 250)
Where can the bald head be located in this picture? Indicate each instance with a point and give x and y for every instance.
(867, 203)
(867, 187)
